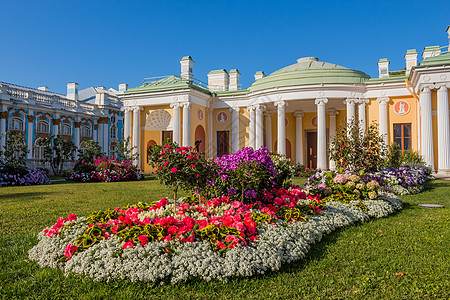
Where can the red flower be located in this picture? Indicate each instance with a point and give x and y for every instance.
(72, 217)
(143, 239)
(166, 146)
(172, 229)
(198, 175)
(190, 222)
(70, 249)
(174, 170)
(192, 165)
(128, 244)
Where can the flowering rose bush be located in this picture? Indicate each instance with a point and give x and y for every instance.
(105, 169)
(245, 175)
(214, 238)
(22, 176)
(180, 167)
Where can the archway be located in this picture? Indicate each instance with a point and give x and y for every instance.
(149, 144)
(288, 148)
(200, 137)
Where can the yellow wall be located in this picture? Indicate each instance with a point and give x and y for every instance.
(221, 127)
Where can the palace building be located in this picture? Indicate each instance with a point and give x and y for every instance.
(297, 109)
(89, 114)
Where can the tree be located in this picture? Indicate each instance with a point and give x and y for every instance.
(14, 152)
(352, 148)
(90, 151)
(56, 151)
(125, 151)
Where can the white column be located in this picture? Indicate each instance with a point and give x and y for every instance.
(332, 114)
(259, 129)
(443, 130)
(176, 123)
(211, 132)
(76, 136)
(187, 124)
(321, 134)
(95, 131)
(427, 127)
(281, 126)
(383, 118)
(106, 137)
(350, 102)
(362, 115)
(137, 133)
(234, 129)
(30, 119)
(252, 126)
(299, 136)
(100, 133)
(268, 120)
(127, 124)
(3, 116)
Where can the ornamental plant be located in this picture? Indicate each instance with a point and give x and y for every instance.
(14, 152)
(246, 174)
(56, 151)
(353, 149)
(285, 168)
(104, 169)
(180, 167)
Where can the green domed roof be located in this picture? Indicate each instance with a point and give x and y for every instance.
(309, 70)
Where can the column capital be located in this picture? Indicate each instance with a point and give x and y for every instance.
(236, 109)
(321, 101)
(280, 103)
(137, 109)
(260, 106)
(175, 105)
(383, 100)
(426, 88)
(442, 87)
(251, 107)
(127, 108)
(332, 112)
(363, 101)
(299, 114)
(4, 114)
(350, 101)
(31, 118)
(186, 104)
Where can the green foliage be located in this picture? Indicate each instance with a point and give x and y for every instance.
(412, 157)
(90, 151)
(394, 156)
(56, 150)
(125, 151)
(351, 149)
(285, 169)
(177, 167)
(14, 153)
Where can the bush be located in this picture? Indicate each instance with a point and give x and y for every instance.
(352, 150)
(285, 168)
(22, 176)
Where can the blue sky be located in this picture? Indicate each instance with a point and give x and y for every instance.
(110, 42)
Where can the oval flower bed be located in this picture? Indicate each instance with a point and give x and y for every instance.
(208, 239)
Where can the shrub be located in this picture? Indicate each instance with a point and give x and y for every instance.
(56, 150)
(352, 150)
(285, 169)
(22, 176)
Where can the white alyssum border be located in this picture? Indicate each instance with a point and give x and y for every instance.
(278, 244)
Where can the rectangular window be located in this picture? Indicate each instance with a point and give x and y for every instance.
(167, 136)
(222, 142)
(402, 136)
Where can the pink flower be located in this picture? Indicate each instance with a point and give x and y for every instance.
(236, 204)
(227, 221)
(190, 222)
(72, 217)
(198, 175)
(143, 239)
(172, 229)
(166, 163)
(192, 165)
(166, 146)
(239, 226)
(70, 249)
(128, 244)
(220, 245)
(174, 170)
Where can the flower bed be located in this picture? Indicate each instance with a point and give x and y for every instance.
(399, 181)
(105, 169)
(22, 176)
(209, 239)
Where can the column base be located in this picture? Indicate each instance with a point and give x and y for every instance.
(443, 173)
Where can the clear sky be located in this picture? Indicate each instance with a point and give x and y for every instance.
(104, 43)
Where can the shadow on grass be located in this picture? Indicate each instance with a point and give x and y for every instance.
(434, 184)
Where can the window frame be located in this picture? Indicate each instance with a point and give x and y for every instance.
(40, 123)
(13, 121)
(65, 125)
(402, 136)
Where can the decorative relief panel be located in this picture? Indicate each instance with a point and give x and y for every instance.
(401, 107)
(159, 120)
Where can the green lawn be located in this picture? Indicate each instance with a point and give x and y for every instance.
(405, 256)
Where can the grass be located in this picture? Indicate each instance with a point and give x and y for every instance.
(404, 256)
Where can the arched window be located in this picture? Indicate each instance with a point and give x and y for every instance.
(65, 129)
(38, 151)
(86, 131)
(15, 124)
(42, 127)
(113, 132)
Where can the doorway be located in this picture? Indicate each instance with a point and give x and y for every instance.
(223, 142)
(311, 149)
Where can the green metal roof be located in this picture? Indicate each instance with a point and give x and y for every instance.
(308, 70)
(443, 59)
(171, 82)
(383, 60)
(386, 79)
(186, 58)
(221, 71)
(411, 51)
